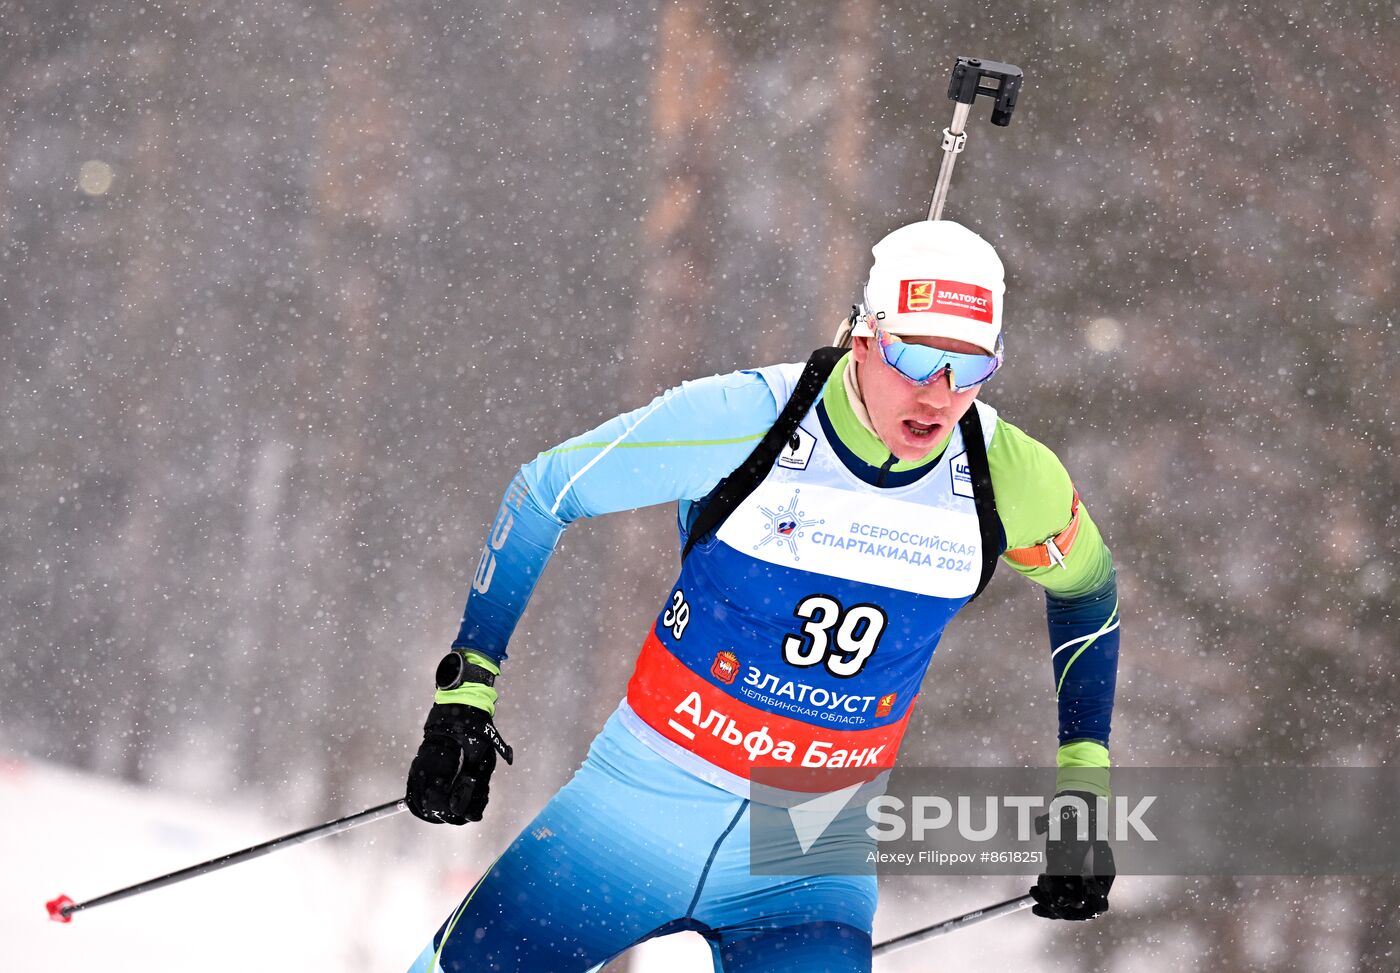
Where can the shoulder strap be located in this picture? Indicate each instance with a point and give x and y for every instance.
(988, 520)
(736, 487)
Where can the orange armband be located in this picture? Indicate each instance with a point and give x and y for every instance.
(1054, 550)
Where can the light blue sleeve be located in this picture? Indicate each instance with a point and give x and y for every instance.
(678, 447)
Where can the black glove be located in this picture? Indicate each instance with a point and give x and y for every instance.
(1078, 874)
(451, 775)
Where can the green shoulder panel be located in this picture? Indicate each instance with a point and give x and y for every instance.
(1034, 493)
(1034, 498)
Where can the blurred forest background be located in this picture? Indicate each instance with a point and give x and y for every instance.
(289, 289)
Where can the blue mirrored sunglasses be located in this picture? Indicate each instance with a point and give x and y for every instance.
(922, 364)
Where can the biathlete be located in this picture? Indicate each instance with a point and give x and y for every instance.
(796, 635)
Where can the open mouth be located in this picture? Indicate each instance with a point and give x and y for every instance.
(921, 430)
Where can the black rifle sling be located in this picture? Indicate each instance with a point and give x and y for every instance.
(988, 520)
(736, 487)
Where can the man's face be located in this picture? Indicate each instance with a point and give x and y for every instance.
(910, 419)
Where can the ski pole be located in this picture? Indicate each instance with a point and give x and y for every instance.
(954, 924)
(62, 908)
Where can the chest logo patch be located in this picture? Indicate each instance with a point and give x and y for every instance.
(961, 473)
(785, 525)
(798, 451)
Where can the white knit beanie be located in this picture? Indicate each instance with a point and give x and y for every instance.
(939, 279)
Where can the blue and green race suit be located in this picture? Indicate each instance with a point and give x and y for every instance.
(797, 635)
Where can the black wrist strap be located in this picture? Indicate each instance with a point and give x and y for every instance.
(469, 672)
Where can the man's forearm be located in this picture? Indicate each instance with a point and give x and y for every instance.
(1084, 635)
(518, 546)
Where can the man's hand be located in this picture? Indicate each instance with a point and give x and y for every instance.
(450, 778)
(1078, 872)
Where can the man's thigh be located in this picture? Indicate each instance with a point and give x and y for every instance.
(768, 923)
(570, 891)
(616, 855)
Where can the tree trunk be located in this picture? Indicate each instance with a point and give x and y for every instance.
(688, 100)
(358, 201)
(846, 150)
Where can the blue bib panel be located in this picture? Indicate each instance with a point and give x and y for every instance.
(799, 634)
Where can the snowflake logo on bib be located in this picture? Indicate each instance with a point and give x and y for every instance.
(785, 525)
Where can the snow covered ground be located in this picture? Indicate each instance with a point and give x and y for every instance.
(348, 903)
(313, 907)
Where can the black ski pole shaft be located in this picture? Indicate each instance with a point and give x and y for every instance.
(62, 908)
(955, 923)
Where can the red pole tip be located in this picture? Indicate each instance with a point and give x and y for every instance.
(58, 909)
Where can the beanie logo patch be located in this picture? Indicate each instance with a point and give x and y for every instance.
(915, 295)
(946, 297)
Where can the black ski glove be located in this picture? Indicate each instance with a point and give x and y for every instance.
(1078, 873)
(451, 775)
